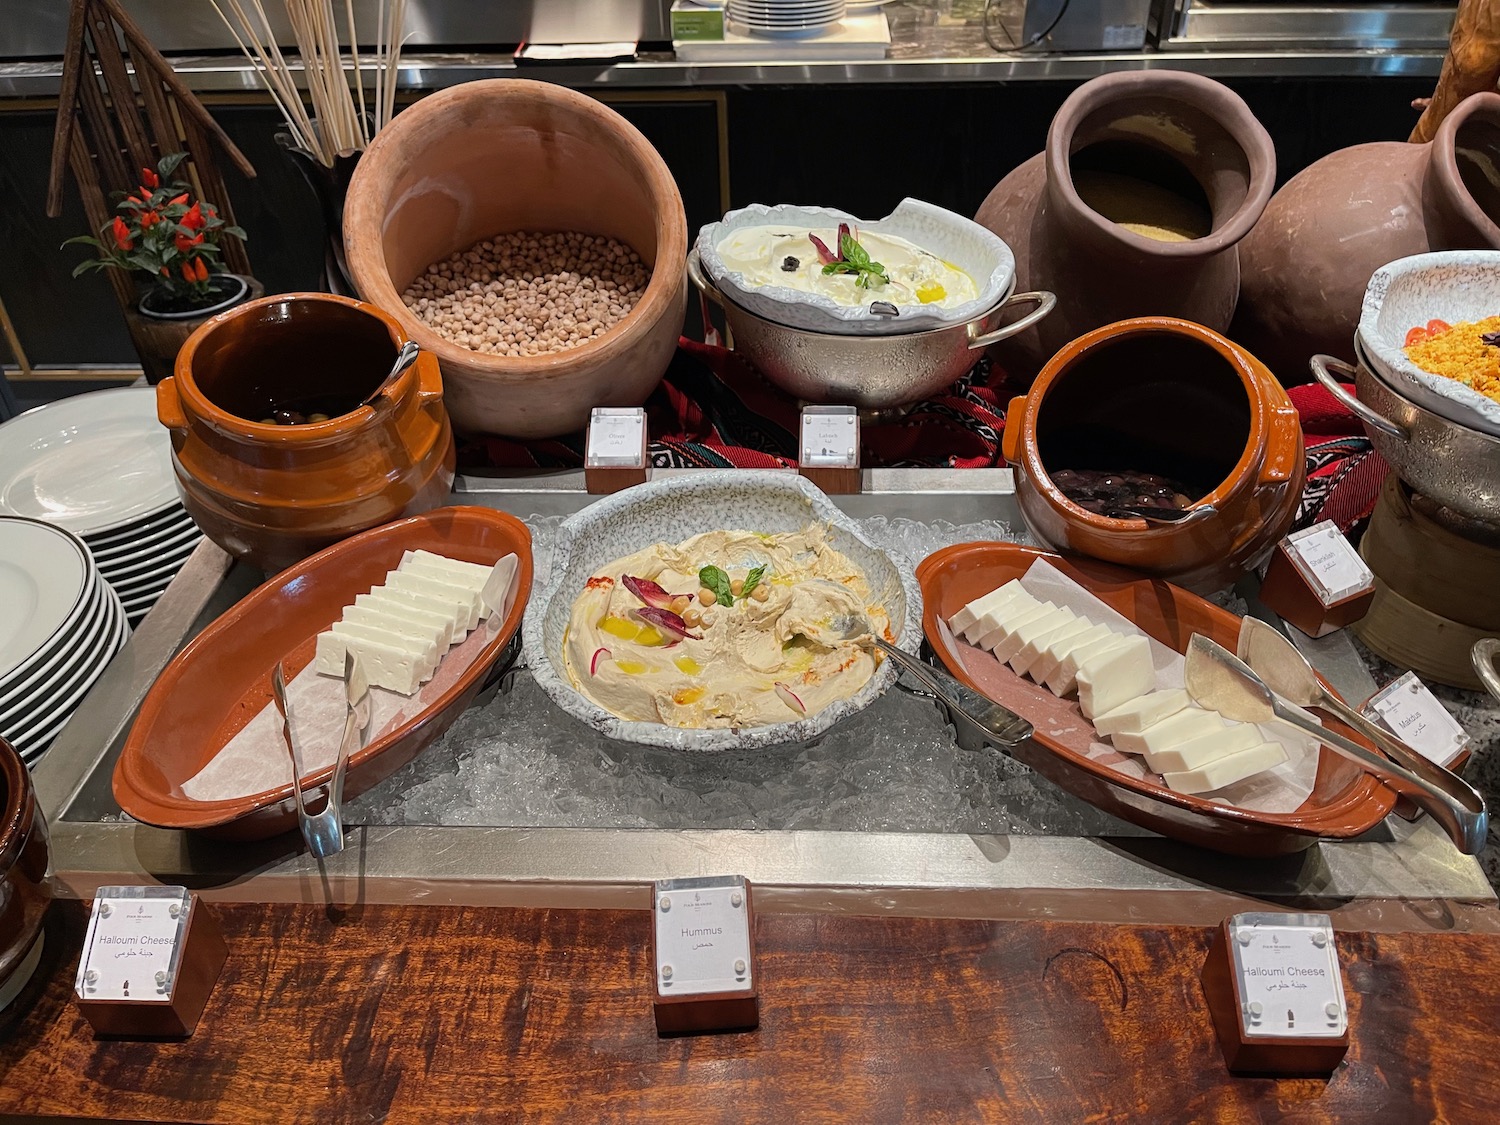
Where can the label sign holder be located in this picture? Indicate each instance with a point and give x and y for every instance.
(615, 446)
(150, 959)
(704, 974)
(1317, 581)
(1276, 994)
(828, 449)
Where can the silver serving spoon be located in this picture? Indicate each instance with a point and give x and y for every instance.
(988, 719)
(404, 359)
(1161, 515)
(1286, 672)
(1221, 681)
(1485, 655)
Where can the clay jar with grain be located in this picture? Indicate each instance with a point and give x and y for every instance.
(273, 494)
(511, 155)
(1186, 134)
(1161, 395)
(24, 890)
(1307, 262)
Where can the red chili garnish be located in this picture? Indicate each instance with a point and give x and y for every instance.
(666, 619)
(649, 592)
(599, 583)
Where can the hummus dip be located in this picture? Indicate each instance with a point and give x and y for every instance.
(766, 658)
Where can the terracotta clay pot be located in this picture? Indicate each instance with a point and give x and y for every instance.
(273, 494)
(1165, 396)
(1308, 261)
(1186, 134)
(24, 890)
(508, 155)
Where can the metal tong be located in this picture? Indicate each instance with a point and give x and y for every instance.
(1219, 680)
(324, 831)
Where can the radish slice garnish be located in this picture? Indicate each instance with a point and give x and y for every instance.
(790, 698)
(599, 654)
(666, 619)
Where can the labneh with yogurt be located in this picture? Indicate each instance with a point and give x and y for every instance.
(906, 274)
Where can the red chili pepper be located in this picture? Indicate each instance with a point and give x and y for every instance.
(184, 243)
(164, 272)
(193, 220)
(149, 220)
(202, 274)
(121, 233)
(1437, 327)
(176, 199)
(187, 272)
(150, 178)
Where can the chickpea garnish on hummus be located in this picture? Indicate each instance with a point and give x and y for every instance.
(718, 631)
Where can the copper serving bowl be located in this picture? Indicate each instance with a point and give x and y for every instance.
(24, 890)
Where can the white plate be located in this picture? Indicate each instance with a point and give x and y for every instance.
(87, 463)
(73, 649)
(171, 518)
(138, 571)
(59, 700)
(37, 743)
(144, 541)
(44, 572)
(61, 649)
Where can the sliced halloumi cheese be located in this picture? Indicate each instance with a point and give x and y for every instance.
(981, 615)
(443, 622)
(1025, 661)
(1062, 644)
(1009, 619)
(1176, 728)
(1027, 631)
(1065, 678)
(457, 614)
(431, 587)
(419, 632)
(474, 573)
(1196, 753)
(1140, 713)
(383, 665)
(1228, 770)
(1115, 677)
(425, 656)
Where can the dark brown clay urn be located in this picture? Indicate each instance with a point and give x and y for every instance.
(1307, 263)
(1162, 144)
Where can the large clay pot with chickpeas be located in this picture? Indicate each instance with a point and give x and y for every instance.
(501, 158)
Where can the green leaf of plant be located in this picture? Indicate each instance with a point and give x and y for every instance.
(717, 581)
(752, 580)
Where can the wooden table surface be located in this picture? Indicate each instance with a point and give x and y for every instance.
(439, 1014)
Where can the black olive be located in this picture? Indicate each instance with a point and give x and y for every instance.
(789, 264)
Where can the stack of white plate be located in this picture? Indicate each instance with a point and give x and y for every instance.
(784, 18)
(100, 466)
(60, 626)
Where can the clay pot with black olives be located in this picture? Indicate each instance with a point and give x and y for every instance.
(1195, 424)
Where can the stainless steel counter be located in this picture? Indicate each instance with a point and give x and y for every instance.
(1400, 877)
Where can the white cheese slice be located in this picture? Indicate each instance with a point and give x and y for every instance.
(464, 579)
(1024, 662)
(1226, 771)
(430, 587)
(967, 622)
(382, 665)
(1027, 631)
(425, 656)
(1206, 749)
(1062, 644)
(457, 615)
(417, 632)
(1138, 714)
(1176, 728)
(443, 622)
(1065, 678)
(476, 572)
(1010, 618)
(1115, 677)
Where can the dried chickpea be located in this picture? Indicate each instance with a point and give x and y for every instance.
(761, 592)
(706, 597)
(680, 603)
(692, 618)
(737, 587)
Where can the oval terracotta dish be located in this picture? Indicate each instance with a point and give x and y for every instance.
(220, 681)
(1345, 801)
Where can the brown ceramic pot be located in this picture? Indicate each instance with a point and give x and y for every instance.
(24, 889)
(1181, 132)
(273, 494)
(506, 155)
(1161, 395)
(1307, 262)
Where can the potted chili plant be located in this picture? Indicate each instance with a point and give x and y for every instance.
(170, 240)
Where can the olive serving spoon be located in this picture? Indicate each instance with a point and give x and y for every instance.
(1222, 682)
(404, 359)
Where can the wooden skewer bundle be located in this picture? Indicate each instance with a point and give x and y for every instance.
(341, 120)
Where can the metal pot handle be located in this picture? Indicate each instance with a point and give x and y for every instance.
(1484, 655)
(1044, 303)
(1320, 365)
(700, 279)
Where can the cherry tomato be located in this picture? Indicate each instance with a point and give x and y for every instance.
(1416, 336)
(1437, 327)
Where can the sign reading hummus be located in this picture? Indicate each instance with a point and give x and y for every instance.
(728, 629)
(850, 268)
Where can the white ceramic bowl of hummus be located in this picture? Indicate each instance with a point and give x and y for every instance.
(671, 512)
(942, 268)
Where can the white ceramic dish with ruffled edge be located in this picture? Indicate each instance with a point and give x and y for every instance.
(957, 240)
(670, 511)
(1450, 285)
